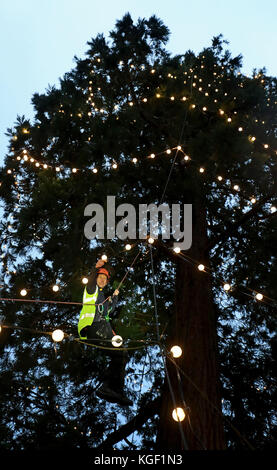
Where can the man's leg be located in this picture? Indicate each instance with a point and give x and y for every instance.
(115, 373)
(113, 377)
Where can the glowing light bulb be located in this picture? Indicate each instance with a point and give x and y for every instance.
(150, 240)
(236, 187)
(259, 296)
(128, 247)
(177, 249)
(201, 267)
(94, 170)
(201, 170)
(114, 166)
(152, 155)
(168, 151)
(134, 160)
(273, 209)
(84, 280)
(117, 341)
(58, 335)
(219, 178)
(104, 257)
(176, 351)
(23, 292)
(240, 129)
(178, 414)
(55, 288)
(253, 200)
(226, 286)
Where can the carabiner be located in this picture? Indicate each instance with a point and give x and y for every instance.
(100, 310)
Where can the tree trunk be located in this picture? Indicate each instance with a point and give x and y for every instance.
(195, 331)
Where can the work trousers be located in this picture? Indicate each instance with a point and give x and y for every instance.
(101, 333)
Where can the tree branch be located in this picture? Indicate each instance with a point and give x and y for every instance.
(124, 431)
(232, 228)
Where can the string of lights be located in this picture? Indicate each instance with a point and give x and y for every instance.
(226, 183)
(59, 335)
(211, 404)
(93, 94)
(176, 410)
(251, 199)
(256, 295)
(227, 287)
(175, 352)
(225, 114)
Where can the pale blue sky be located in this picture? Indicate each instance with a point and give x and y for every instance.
(40, 37)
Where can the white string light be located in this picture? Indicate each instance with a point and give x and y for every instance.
(57, 335)
(117, 341)
(176, 351)
(178, 414)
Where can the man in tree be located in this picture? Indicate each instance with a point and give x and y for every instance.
(94, 326)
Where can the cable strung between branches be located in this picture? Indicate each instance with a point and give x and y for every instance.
(211, 403)
(163, 358)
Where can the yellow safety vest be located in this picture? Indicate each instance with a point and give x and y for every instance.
(87, 313)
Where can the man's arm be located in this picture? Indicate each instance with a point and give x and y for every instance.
(112, 302)
(91, 285)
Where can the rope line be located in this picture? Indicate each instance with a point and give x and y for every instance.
(144, 345)
(42, 301)
(176, 153)
(163, 358)
(210, 403)
(88, 342)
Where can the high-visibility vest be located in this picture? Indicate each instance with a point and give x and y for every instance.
(87, 313)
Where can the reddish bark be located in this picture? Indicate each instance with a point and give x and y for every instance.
(195, 331)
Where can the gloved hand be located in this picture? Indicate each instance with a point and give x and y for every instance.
(100, 263)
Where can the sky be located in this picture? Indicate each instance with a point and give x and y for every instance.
(39, 39)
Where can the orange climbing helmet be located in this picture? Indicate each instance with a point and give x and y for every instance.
(103, 271)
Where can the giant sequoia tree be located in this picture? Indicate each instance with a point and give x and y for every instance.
(132, 121)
